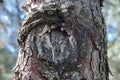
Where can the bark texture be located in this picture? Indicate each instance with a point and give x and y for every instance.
(62, 40)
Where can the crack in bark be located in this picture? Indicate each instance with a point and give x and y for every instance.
(91, 65)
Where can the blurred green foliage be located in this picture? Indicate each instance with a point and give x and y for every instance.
(114, 59)
(111, 11)
(6, 64)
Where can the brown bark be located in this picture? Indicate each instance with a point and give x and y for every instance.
(62, 40)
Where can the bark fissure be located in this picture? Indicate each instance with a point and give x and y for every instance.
(91, 65)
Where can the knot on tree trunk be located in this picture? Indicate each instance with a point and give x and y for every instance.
(50, 14)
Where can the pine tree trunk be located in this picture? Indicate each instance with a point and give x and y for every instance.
(62, 40)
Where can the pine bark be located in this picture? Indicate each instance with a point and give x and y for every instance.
(62, 40)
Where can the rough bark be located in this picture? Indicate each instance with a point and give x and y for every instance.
(62, 40)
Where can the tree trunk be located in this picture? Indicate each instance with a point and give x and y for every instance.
(62, 40)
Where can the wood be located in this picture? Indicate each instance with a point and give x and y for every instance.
(62, 40)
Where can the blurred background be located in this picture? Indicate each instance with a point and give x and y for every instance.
(11, 17)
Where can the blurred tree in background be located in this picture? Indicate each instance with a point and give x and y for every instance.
(11, 17)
